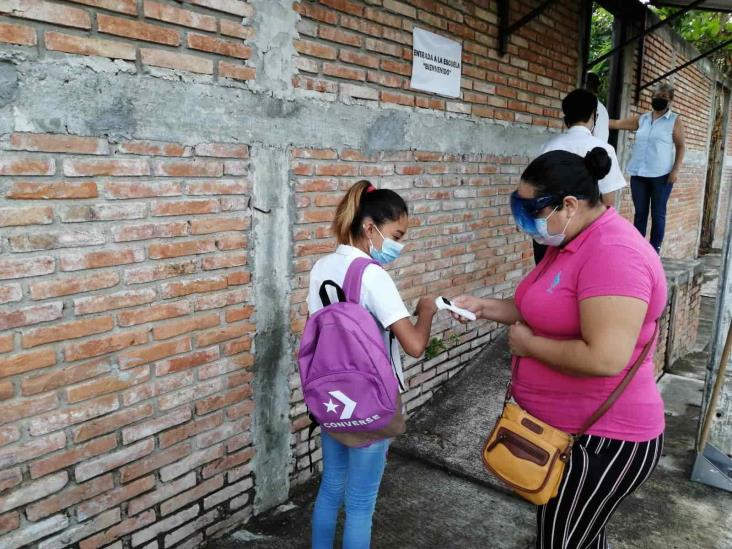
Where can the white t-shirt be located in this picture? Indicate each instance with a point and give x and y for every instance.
(579, 140)
(602, 124)
(379, 294)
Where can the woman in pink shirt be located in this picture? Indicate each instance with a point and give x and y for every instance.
(578, 322)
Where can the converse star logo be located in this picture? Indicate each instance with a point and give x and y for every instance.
(348, 405)
(331, 406)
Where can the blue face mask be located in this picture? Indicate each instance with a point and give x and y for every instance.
(525, 211)
(390, 249)
(543, 236)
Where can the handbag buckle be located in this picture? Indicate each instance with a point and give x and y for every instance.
(507, 397)
(567, 453)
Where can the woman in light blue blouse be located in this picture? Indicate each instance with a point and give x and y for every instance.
(657, 157)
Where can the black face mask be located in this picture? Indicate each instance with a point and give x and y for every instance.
(659, 104)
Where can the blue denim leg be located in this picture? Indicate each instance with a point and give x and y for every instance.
(353, 474)
(331, 492)
(640, 189)
(661, 191)
(365, 470)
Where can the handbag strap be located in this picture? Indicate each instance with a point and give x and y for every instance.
(594, 418)
(621, 387)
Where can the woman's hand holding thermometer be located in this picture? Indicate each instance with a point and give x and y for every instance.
(446, 304)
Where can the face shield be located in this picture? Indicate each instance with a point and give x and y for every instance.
(525, 210)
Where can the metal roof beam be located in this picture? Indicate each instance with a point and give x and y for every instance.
(649, 30)
(690, 62)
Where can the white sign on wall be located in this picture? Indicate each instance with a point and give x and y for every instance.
(437, 63)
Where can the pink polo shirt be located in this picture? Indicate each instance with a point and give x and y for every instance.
(609, 258)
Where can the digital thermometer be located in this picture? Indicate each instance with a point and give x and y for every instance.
(444, 303)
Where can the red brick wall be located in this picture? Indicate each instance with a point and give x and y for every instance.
(126, 301)
(362, 50)
(205, 37)
(461, 239)
(127, 315)
(692, 101)
(126, 335)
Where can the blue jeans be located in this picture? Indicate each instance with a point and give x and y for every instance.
(353, 475)
(654, 191)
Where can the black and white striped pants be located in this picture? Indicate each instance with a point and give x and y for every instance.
(600, 474)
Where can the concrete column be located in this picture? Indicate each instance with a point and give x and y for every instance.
(273, 52)
(272, 211)
(721, 433)
(272, 204)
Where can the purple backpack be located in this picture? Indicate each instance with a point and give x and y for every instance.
(347, 377)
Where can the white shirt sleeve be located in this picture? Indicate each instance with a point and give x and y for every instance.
(313, 297)
(602, 125)
(381, 297)
(614, 180)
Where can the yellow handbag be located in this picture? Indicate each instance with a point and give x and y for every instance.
(529, 455)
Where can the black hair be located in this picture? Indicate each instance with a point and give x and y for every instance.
(361, 201)
(578, 106)
(592, 81)
(561, 174)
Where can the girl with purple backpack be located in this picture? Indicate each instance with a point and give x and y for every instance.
(369, 223)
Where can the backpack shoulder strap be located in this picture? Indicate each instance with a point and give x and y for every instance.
(354, 275)
(323, 293)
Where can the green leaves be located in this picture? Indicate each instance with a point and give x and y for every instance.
(601, 42)
(705, 30)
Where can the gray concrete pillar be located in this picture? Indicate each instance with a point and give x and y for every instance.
(272, 212)
(721, 432)
(273, 51)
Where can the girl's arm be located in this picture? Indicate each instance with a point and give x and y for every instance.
(414, 337)
(610, 329)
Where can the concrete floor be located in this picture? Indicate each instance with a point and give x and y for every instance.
(435, 493)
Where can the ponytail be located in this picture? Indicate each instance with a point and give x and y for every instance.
(361, 201)
(347, 211)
